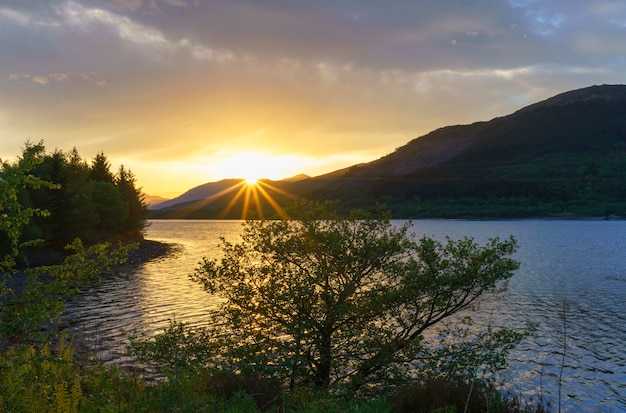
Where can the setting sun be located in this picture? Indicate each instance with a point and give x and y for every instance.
(251, 181)
(253, 166)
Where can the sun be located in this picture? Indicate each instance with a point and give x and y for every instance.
(251, 180)
(253, 166)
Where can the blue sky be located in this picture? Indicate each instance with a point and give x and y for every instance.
(186, 92)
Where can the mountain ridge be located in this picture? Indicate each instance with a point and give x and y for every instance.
(562, 156)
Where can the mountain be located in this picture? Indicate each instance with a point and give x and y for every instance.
(230, 199)
(562, 157)
(153, 200)
(297, 178)
(198, 193)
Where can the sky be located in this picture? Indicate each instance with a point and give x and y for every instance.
(184, 92)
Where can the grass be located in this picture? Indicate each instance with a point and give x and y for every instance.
(45, 379)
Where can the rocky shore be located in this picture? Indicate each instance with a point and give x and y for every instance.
(148, 250)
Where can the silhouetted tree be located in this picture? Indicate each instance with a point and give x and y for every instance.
(320, 299)
(15, 178)
(100, 170)
(82, 215)
(86, 202)
(111, 209)
(137, 208)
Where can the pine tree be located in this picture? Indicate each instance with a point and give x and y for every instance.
(137, 208)
(100, 170)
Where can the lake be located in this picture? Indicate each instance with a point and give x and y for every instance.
(571, 268)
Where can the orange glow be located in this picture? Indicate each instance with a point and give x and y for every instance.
(251, 166)
(250, 193)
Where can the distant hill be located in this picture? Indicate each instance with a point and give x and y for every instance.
(563, 157)
(229, 199)
(153, 200)
(297, 178)
(198, 193)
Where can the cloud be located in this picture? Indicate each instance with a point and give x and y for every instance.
(147, 6)
(41, 80)
(92, 78)
(148, 80)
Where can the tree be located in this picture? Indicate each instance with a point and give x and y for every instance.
(100, 170)
(134, 199)
(54, 169)
(81, 216)
(112, 211)
(41, 294)
(15, 215)
(325, 300)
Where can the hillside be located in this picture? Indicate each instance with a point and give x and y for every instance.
(198, 193)
(563, 157)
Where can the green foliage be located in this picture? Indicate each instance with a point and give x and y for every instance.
(39, 299)
(318, 400)
(137, 211)
(179, 350)
(100, 170)
(42, 299)
(90, 203)
(328, 301)
(15, 211)
(39, 380)
(437, 395)
(111, 209)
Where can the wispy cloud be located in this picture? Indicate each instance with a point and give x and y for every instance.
(41, 79)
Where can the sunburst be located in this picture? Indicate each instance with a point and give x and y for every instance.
(251, 191)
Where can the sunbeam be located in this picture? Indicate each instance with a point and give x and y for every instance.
(258, 196)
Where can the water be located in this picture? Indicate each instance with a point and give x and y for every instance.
(571, 268)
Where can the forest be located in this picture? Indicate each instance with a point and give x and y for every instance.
(80, 199)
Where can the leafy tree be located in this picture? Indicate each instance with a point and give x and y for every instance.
(324, 300)
(15, 216)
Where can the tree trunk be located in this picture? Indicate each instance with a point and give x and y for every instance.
(322, 372)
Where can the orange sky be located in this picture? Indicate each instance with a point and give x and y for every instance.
(187, 92)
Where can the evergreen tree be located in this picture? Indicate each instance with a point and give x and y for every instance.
(86, 202)
(54, 170)
(111, 209)
(79, 190)
(134, 199)
(100, 170)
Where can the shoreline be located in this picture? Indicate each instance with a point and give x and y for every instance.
(148, 250)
